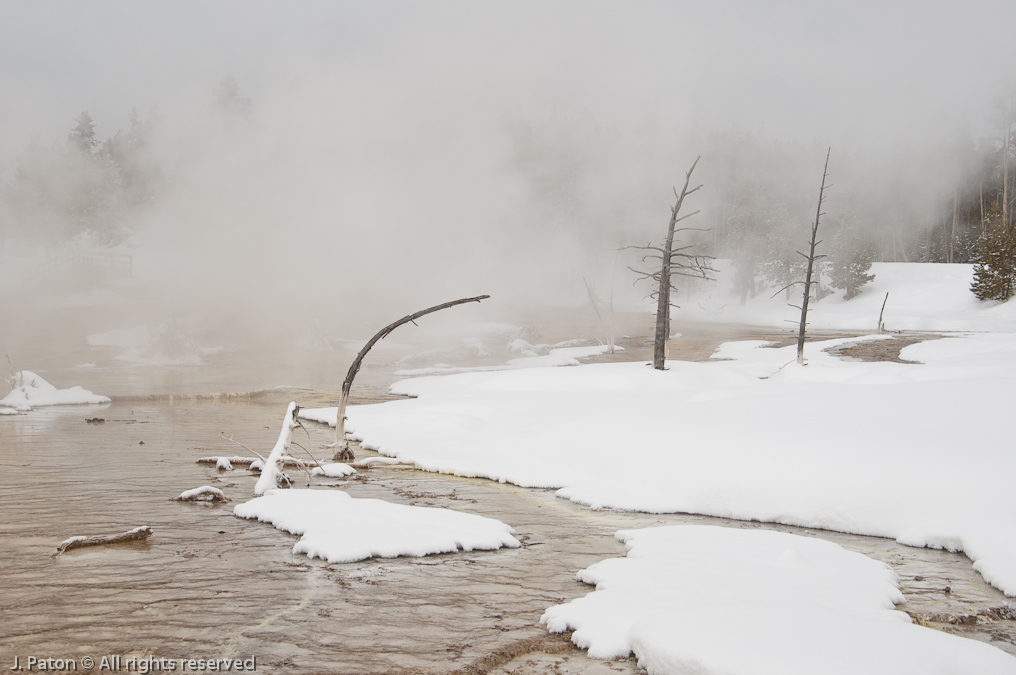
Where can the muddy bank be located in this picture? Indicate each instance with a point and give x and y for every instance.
(207, 584)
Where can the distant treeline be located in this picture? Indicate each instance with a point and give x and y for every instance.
(80, 184)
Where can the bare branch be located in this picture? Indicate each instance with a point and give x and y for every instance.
(792, 283)
(253, 452)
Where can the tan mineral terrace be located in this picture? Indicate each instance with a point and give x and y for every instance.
(209, 585)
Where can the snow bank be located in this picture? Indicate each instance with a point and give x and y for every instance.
(337, 528)
(700, 599)
(922, 296)
(31, 391)
(921, 453)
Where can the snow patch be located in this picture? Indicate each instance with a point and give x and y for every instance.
(713, 600)
(334, 470)
(28, 391)
(337, 528)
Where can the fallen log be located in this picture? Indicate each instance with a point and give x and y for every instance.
(136, 534)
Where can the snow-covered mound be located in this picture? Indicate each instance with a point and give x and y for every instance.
(921, 453)
(713, 600)
(28, 391)
(922, 297)
(333, 470)
(338, 528)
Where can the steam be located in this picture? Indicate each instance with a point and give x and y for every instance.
(395, 155)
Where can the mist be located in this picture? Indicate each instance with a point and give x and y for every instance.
(389, 156)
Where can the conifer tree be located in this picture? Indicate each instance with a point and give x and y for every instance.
(995, 267)
(852, 257)
(82, 136)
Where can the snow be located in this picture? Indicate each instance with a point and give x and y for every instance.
(703, 600)
(28, 391)
(271, 471)
(916, 452)
(922, 297)
(198, 494)
(340, 529)
(334, 470)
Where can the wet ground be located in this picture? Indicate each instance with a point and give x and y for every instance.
(209, 585)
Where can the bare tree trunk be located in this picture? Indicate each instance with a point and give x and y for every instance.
(811, 262)
(663, 296)
(881, 325)
(1005, 163)
(342, 452)
(608, 328)
(956, 216)
(983, 226)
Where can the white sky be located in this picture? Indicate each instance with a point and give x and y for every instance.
(829, 71)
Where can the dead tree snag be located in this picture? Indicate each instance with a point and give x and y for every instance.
(342, 452)
(678, 261)
(811, 257)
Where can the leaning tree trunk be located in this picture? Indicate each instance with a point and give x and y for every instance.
(342, 452)
(811, 263)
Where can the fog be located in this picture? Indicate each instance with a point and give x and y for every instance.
(395, 155)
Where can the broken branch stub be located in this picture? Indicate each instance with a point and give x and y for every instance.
(342, 451)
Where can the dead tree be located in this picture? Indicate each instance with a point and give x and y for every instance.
(342, 452)
(811, 258)
(594, 302)
(673, 261)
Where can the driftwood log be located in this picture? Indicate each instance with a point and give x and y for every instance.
(136, 534)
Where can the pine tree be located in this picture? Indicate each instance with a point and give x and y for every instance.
(995, 268)
(82, 136)
(852, 257)
(228, 99)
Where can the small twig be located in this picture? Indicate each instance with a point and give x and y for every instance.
(312, 457)
(230, 439)
(303, 465)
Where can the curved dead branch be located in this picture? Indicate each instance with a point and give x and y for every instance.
(342, 451)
